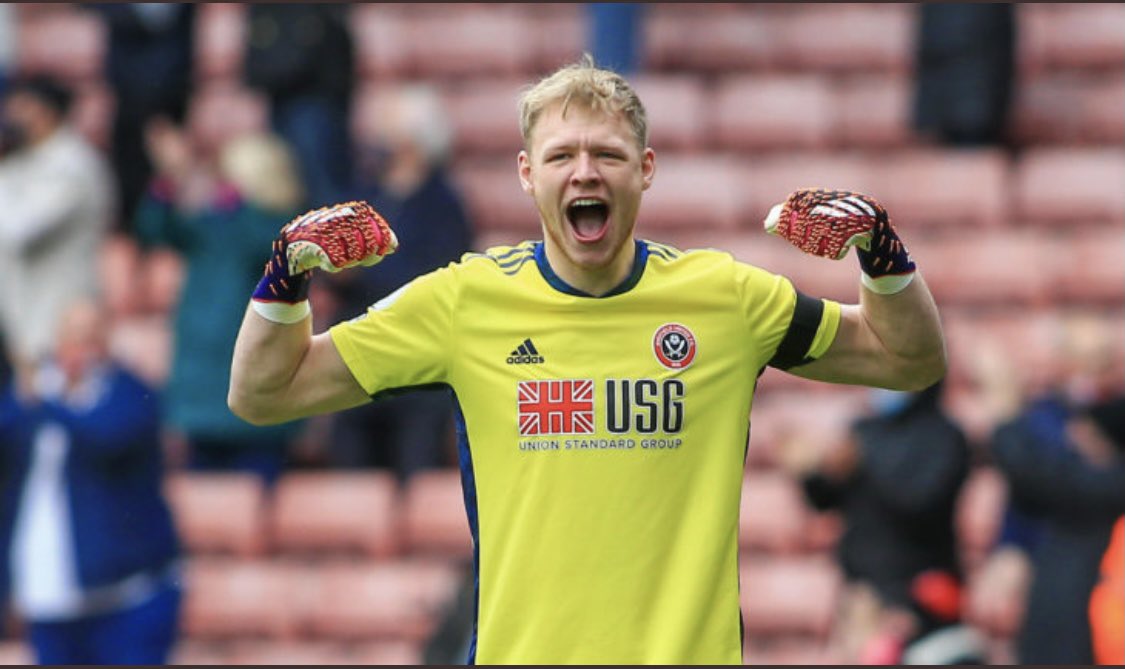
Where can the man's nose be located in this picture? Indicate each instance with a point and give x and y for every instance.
(585, 170)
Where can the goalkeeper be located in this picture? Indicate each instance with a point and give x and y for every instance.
(603, 381)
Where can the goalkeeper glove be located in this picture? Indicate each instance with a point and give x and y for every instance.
(331, 238)
(829, 222)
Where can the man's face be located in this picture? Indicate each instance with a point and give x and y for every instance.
(586, 174)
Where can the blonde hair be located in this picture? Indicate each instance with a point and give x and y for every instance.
(586, 84)
(261, 166)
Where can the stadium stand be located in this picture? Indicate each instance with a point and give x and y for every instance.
(219, 513)
(434, 521)
(336, 512)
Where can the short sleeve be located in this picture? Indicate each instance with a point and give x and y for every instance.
(403, 340)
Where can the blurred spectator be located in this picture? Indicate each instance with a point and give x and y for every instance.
(1107, 603)
(149, 66)
(965, 69)
(219, 223)
(896, 481)
(87, 537)
(8, 43)
(615, 30)
(405, 177)
(301, 57)
(57, 199)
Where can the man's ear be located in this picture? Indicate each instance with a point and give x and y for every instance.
(524, 162)
(648, 167)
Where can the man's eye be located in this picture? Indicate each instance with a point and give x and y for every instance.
(555, 157)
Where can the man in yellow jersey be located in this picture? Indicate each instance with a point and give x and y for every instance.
(604, 382)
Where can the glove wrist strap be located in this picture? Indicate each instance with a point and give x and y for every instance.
(888, 284)
(886, 264)
(277, 285)
(282, 312)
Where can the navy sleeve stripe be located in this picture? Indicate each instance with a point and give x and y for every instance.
(794, 347)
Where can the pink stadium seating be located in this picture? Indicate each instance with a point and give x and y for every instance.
(64, 41)
(388, 652)
(1070, 108)
(434, 520)
(1091, 269)
(789, 595)
(494, 197)
(200, 652)
(774, 516)
(485, 119)
(306, 653)
(766, 652)
(761, 112)
(708, 37)
(834, 37)
(677, 110)
(873, 112)
(944, 188)
(999, 268)
(220, 40)
(692, 192)
(365, 600)
(1071, 185)
(228, 599)
(1070, 35)
(219, 512)
(558, 34)
(769, 180)
(489, 39)
(336, 513)
(813, 411)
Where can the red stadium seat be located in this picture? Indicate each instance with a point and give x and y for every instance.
(389, 652)
(944, 188)
(219, 512)
(855, 37)
(1088, 267)
(1001, 267)
(789, 595)
(1068, 186)
(336, 512)
(708, 37)
(769, 181)
(677, 111)
(760, 112)
(220, 40)
(767, 652)
(231, 599)
(774, 516)
(692, 192)
(434, 520)
(485, 118)
(362, 601)
(873, 111)
(488, 39)
(1070, 108)
(64, 41)
(494, 197)
(383, 41)
(304, 653)
(198, 653)
(558, 34)
(1070, 35)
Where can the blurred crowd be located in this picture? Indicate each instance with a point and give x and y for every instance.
(77, 423)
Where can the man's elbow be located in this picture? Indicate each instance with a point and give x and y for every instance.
(921, 373)
(255, 413)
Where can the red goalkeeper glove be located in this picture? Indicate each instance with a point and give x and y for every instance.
(331, 238)
(829, 222)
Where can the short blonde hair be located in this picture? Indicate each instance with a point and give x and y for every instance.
(584, 83)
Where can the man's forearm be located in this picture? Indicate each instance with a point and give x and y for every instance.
(267, 356)
(909, 330)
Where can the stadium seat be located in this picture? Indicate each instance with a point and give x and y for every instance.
(434, 520)
(979, 514)
(1070, 35)
(383, 41)
(485, 119)
(304, 653)
(494, 197)
(708, 37)
(676, 107)
(558, 34)
(388, 652)
(774, 517)
(1090, 267)
(814, 411)
(999, 267)
(1070, 108)
(789, 595)
(220, 40)
(221, 513)
(848, 37)
(367, 601)
(318, 513)
(65, 41)
(769, 180)
(488, 39)
(221, 111)
(1071, 185)
(944, 188)
(772, 651)
(692, 192)
(193, 652)
(873, 111)
(235, 599)
(763, 112)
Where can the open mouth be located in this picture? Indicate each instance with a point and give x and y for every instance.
(589, 218)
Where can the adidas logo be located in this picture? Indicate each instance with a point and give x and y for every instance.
(525, 354)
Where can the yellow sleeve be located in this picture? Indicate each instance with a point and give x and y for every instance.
(403, 340)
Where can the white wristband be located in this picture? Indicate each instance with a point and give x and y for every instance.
(887, 285)
(282, 312)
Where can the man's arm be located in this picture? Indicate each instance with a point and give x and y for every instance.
(892, 338)
(280, 371)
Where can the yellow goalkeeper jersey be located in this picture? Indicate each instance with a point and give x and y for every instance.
(602, 440)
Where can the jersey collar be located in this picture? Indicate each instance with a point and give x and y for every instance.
(640, 259)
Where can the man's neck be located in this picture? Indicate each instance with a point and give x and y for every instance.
(596, 281)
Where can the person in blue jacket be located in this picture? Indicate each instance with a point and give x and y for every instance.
(88, 548)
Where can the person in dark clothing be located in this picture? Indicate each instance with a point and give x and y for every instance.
(965, 69)
(896, 481)
(150, 68)
(301, 57)
(1076, 488)
(406, 179)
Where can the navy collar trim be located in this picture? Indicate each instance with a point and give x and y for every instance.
(640, 260)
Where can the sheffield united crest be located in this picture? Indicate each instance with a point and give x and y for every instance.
(674, 346)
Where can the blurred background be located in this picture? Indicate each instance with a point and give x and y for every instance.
(994, 135)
